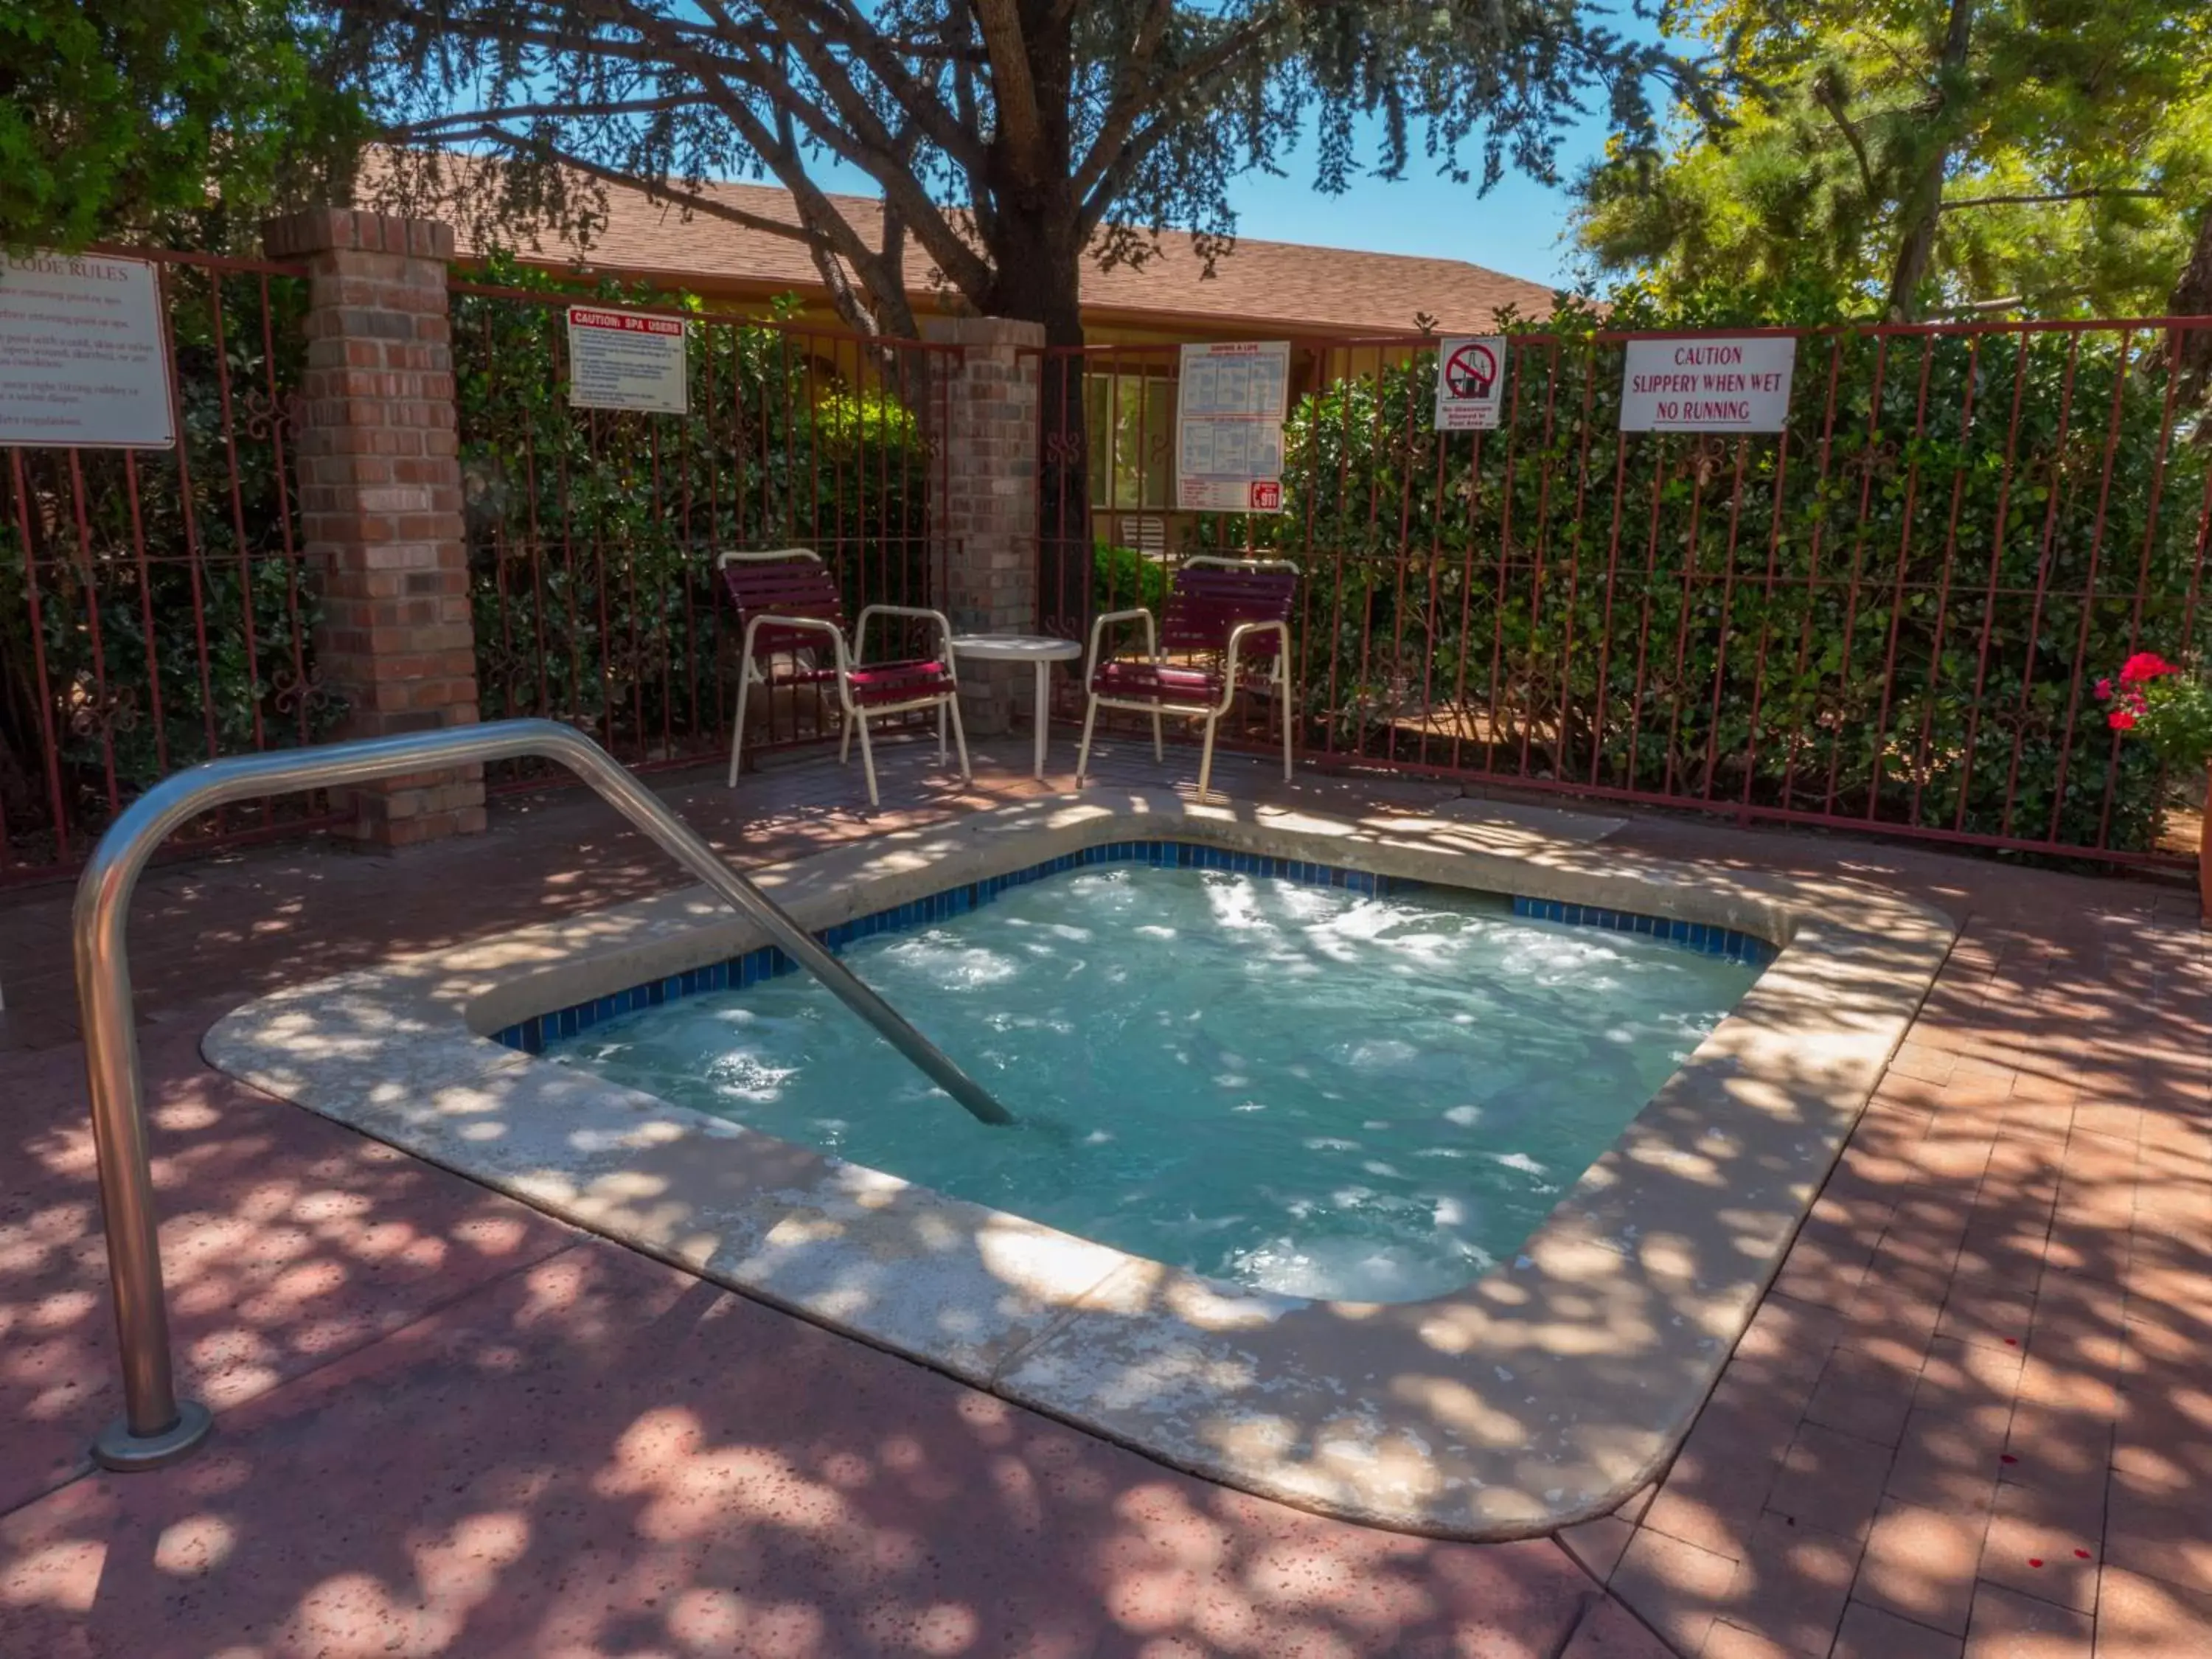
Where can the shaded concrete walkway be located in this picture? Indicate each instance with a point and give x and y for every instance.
(450, 1425)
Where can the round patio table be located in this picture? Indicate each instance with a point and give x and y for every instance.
(1041, 650)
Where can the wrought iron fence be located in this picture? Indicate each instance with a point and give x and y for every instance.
(592, 533)
(154, 608)
(1890, 614)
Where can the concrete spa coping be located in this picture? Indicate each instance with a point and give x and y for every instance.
(1543, 1393)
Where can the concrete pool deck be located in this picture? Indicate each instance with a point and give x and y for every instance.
(448, 1425)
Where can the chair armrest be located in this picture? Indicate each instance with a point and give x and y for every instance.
(1281, 630)
(818, 624)
(922, 613)
(1098, 626)
(1215, 561)
(723, 561)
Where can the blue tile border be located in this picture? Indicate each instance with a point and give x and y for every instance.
(532, 1035)
(1746, 948)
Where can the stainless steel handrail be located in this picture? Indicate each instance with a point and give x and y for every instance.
(156, 1427)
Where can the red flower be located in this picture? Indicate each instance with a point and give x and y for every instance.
(2145, 665)
(2105, 689)
(2121, 719)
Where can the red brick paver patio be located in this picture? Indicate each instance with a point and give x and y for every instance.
(1970, 1416)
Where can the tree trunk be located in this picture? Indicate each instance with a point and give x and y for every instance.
(2192, 297)
(1039, 270)
(1923, 204)
(1035, 245)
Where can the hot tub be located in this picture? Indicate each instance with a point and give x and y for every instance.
(1401, 1344)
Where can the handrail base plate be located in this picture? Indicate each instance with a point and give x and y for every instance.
(117, 1448)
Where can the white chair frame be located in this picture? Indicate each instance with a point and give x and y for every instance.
(1211, 713)
(853, 716)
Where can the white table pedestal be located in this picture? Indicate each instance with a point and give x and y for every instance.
(1041, 651)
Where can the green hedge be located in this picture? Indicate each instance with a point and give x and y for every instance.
(1891, 615)
(592, 534)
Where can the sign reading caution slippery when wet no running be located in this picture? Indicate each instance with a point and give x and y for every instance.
(1740, 384)
(626, 360)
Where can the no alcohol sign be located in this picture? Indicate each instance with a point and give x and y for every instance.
(1470, 383)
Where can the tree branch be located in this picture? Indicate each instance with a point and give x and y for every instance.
(1021, 123)
(709, 206)
(2054, 196)
(1121, 113)
(1104, 159)
(864, 142)
(576, 42)
(437, 125)
(848, 29)
(1828, 93)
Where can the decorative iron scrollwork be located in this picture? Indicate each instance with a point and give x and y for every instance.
(93, 713)
(295, 692)
(272, 418)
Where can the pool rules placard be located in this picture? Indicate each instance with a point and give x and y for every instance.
(84, 358)
(626, 360)
(1229, 426)
(1707, 385)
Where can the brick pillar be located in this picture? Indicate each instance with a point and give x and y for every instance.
(983, 509)
(381, 501)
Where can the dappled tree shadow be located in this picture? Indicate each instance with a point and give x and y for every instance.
(558, 1448)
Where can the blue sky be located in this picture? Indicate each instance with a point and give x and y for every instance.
(1519, 228)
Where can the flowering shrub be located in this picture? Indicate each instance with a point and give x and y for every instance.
(2163, 704)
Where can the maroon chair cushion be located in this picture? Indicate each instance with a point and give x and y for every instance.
(1143, 682)
(900, 682)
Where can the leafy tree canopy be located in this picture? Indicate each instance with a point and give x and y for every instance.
(1010, 138)
(1927, 157)
(118, 114)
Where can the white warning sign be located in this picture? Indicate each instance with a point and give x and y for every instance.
(1470, 383)
(84, 358)
(626, 360)
(1740, 384)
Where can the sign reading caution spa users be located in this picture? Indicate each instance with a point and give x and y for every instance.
(1740, 384)
(626, 360)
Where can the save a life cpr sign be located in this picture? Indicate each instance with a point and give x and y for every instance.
(84, 358)
(626, 360)
(1470, 383)
(1230, 403)
(1707, 385)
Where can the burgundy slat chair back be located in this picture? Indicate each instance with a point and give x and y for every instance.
(801, 585)
(1207, 601)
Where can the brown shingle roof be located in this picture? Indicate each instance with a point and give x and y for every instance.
(1283, 285)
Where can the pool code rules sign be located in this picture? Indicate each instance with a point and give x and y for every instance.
(626, 360)
(84, 357)
(1707, 385)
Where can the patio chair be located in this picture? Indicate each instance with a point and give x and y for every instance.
(1226, 623)
(788, 605)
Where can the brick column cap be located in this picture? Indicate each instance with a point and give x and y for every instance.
(981, 332)
(353, 230)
